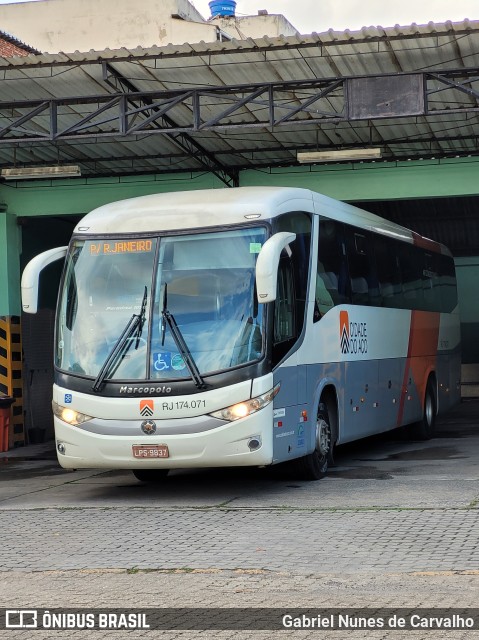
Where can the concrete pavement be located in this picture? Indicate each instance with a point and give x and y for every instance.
(394, 524)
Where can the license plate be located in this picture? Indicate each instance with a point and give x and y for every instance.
(150, 451)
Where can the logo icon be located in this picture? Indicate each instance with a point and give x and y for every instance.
(146, 408)
(68, 398)
(21, 619)
(148, 427)
(344, 331)
(353, 335)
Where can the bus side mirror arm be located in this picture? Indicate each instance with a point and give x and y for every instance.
(267, 265)
(31, 276)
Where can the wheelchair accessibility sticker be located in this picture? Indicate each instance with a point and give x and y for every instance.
(163, 361)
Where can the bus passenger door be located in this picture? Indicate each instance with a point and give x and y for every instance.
(290, 433)
(292, 430)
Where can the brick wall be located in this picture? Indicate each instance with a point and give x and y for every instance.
(10, 47)
(7, 49)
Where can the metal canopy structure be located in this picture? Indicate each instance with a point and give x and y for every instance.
(226, 106)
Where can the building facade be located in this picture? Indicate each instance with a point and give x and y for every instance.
(68, 25)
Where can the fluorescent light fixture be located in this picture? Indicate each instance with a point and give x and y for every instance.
(338, 155)
(32, 173)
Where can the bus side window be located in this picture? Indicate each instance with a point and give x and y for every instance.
(285, 327)
(299, 223)
(389, 273)
(284, 317)
(326, 295)
(447, 283)
(432, 298)
(412, 267)
(332, 280)
(362, 267)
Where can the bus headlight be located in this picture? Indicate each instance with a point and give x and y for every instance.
(70, 416)
(246, 408)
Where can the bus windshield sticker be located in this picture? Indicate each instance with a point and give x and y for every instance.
(162, 361)
(255, 247)
(115, 246)
(177, 362)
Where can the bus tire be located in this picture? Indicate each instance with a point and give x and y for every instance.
(425, 428)
(153, 476)
(314, 466)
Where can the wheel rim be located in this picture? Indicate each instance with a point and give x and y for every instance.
(429, 409)
(323, 437)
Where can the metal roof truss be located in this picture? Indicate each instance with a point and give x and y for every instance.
(180, 114)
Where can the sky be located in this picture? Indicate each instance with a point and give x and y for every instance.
(321, 15)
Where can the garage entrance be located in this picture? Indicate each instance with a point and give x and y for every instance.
(453, 222)
(40, 234)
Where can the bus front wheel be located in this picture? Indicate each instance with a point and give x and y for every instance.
(315, 465)
(150, 475)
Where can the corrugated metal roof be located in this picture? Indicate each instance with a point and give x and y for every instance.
(359, 41)
(245, 138)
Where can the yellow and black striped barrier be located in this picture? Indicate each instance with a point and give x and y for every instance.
(11, 383)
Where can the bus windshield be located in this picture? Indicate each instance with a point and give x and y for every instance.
(206, 283)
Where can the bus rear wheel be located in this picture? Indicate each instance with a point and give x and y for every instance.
(314, 466)
(153, 476)
(425, 428)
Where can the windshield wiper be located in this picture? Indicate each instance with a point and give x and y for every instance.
(141, 318)
(133, 329)
(168, 318)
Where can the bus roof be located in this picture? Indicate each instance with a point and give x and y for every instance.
(197, 209)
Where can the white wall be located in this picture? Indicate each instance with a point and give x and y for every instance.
(80, 25)
(255, 26)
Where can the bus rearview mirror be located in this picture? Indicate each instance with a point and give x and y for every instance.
(267, 265)
(31, 276)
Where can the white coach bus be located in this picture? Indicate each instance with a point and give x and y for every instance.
(245, 327)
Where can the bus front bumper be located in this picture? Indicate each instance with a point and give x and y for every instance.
(244, 442)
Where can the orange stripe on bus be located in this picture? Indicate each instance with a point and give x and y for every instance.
(425, 243)
(421, 354)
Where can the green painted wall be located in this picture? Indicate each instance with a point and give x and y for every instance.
(379, 180)
(63, 198)
(360, 181)
(10, 247)
(78, 197)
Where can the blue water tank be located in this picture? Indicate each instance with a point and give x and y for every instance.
(222, 8)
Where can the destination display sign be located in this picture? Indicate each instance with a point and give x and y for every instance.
(113, 247)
